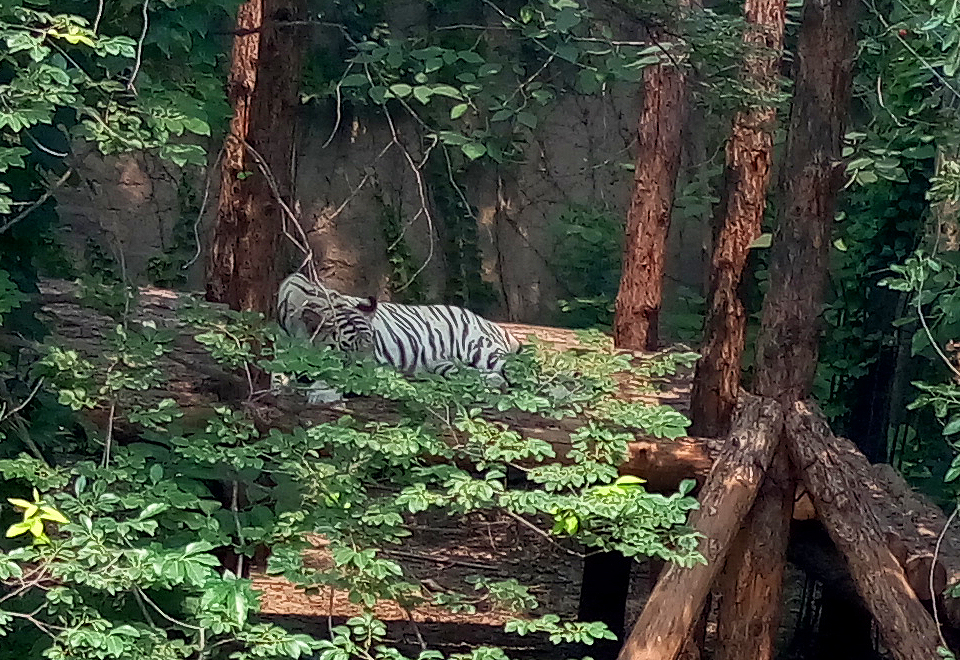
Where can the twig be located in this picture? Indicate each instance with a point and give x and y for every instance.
(5, 414)
(96, 21)
(143, 36)
(234, 506)
(176, 622)
(44, 627)
(422, 191)
(439, 560)
(289, 215)
(540, 532)
(330, 611)
(203, 207)
(108, 440)
(45, 149)
(359, 186)
(416, 628)
(33, 207)
(933, 566)
(336, 123)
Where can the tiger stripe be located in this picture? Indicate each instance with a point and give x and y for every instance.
(411, 338)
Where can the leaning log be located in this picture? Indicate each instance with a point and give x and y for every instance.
(833, 471)
(731, 487)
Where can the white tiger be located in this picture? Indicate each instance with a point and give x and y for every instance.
(411, 338)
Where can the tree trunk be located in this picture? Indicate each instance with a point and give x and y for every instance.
(752, 577)
(789, 334)
(749, 157)
(813, 173)
(264, 90)
(680, 593)
(831, 477)
(603, 597)
(636, 321)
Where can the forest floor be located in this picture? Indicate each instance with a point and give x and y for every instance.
(444, 552)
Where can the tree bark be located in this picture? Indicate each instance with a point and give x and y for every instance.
(829, 474)
(679, 595)
(639, 298)
(813, 172)
(264, 90)
(749, 158)
(752, 577)
(787, 347)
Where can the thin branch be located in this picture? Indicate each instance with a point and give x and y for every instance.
(33, 207)
(108, 440)
(203, 207)
(416, 628)
(933, 566)
(45, 149)
(303, 244)
(183, 624)
(336, 123)
(5, 414)
(96, 20)
(359, 186)
(541, 533)
(446, 561)
(234, 509)
(143, 36)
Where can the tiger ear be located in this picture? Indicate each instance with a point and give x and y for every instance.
(369, 307)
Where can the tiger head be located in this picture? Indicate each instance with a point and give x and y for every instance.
(338, 322)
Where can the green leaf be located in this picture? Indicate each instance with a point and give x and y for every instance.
(567, 18)
(473, 150)
(448, 91)
(355, 80)
(528, 119)
(422, 93)
(19, 528)
(458, 110)
(49, 513)
(953, 426)
(378, 94)
(401, 90)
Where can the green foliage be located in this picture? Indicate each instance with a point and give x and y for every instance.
(35, 516)
(932, 287)
(123, 565)
(588, 250)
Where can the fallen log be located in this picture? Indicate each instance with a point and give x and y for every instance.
(911, 523)
(730, 489)
(197, 383)
(833, 471)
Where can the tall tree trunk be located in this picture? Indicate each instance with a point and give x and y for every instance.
(635, 324)
(813, 172)
(264, 90)
(787, 347)
(749, 157)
